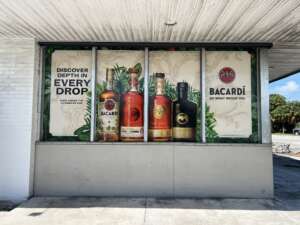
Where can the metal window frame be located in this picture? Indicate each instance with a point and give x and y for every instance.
(41, 90)
(93, 95)
(202, 90)
(158, 45)
(146, 93)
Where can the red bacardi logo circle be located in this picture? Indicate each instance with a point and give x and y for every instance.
(227, 75)
(109, 104)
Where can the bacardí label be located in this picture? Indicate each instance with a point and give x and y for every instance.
(109, 117)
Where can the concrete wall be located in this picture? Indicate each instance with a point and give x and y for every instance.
(18, 66)
(171, 169)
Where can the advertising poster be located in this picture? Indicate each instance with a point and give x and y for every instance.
(228, 92)
(70, 85)
(120, 112)
(174, 91)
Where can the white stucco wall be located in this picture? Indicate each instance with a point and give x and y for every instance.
(154, 169)
(18, 81)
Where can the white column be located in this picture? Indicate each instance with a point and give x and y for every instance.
(18, 117)
(264, 98)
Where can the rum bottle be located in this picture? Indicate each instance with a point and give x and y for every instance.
(108, 111)
(160, 112)
(184, 115)
(132, 122)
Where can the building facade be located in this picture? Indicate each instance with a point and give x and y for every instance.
(146, 102)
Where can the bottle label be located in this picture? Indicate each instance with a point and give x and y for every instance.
(108, 112)
(132, 132)
(182, 118)
(159, 133)
(132, 112)
(183, 132)
(159, 111)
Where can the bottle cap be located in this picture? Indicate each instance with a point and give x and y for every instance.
(159, 75)
(132, 70)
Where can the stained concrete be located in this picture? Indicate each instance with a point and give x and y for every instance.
(284, 209)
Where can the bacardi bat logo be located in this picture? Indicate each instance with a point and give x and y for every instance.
(109, 105)
(227, 75)
(134, 114)
(182, 118)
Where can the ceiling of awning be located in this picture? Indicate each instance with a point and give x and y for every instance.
(284, 60)
(275, 21)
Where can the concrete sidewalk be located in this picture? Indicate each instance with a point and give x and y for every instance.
(138, 211)
(284, 209)
(293, 140)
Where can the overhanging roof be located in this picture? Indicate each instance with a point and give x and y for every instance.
(273, 21)
(284, 60)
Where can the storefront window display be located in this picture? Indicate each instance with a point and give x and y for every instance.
(172, 98)
(66, 94)
(174, 90)
(231, 96)
(121, 116)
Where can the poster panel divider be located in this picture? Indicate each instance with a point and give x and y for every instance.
(93, 94)
(203, 101)
(146, 93)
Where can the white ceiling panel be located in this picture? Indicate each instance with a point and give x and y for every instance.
(276, 21)
(143, 20)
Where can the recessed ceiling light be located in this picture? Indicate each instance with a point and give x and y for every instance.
(170, 23)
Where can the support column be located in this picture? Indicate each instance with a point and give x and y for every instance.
(264, 97)
(19, 115)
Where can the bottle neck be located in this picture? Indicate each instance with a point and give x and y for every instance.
(133, 82)
(109, 79)
(160, 86)
(182, 94)
(109, 85)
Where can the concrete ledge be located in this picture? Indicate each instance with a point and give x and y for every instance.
(153, 169)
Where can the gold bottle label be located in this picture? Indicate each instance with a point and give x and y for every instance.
(183, 132)
(159, 133)
(159, 111)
